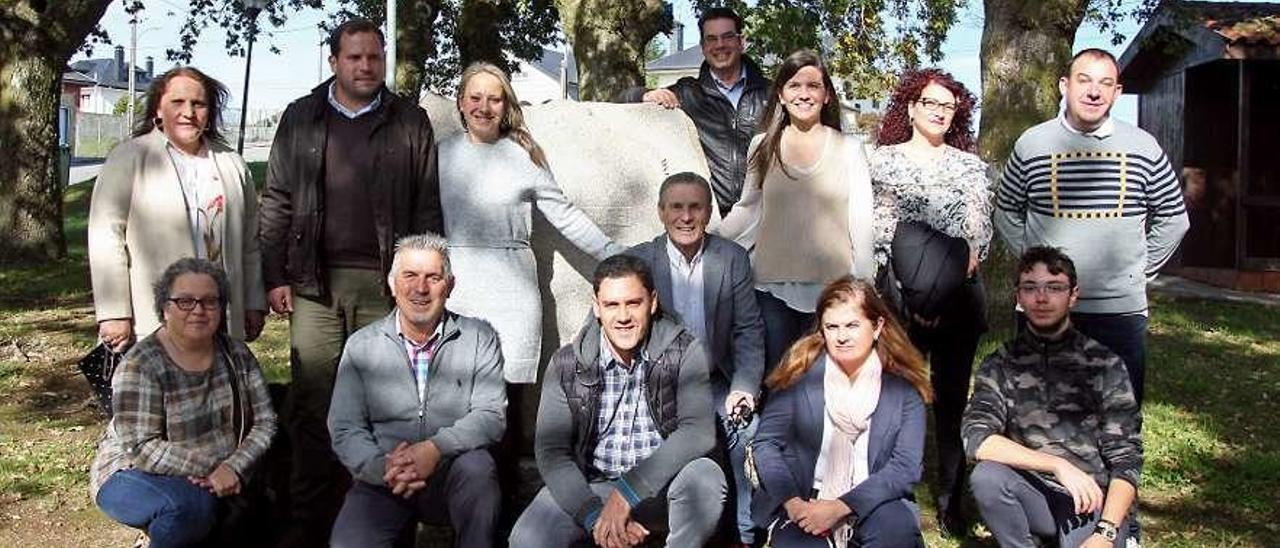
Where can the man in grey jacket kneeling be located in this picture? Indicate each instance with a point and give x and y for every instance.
(418, 398)
(624, 427)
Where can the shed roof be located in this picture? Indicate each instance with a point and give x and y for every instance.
(1185, 34)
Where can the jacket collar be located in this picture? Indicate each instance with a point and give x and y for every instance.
(320, 100)
(157, 140)
(755, 78)
(448, 326)
(884, 420)
(1037, 344)
(586, 344)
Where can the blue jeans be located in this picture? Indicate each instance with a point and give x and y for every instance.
(737, 461)
(1126, 335)
(783, 325)
(172, 510)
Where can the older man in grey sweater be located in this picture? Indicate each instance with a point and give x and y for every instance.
(624, 425)
(418, 398)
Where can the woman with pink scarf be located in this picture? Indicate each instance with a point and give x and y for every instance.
(841, 437)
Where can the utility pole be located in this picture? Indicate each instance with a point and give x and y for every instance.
(133, 62)
(391, 45)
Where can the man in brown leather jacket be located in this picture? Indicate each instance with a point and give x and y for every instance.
(352, 169)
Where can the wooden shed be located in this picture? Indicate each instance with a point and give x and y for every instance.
(1208, 79)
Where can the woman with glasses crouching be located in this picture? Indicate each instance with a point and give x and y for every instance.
(841, 437)
(190, 415)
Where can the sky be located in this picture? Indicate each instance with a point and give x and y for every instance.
(278, 78)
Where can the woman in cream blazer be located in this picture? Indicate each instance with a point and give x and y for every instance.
(148, 210)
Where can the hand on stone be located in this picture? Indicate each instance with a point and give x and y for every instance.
(662, 96)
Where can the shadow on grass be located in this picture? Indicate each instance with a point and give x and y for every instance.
(1214, 373)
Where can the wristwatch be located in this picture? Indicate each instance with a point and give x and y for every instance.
(1106, 529)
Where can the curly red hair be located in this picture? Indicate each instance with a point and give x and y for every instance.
(895, 126)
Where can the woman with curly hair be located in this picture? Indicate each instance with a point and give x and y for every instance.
(806, 212)
(925, 163)
(841, 438)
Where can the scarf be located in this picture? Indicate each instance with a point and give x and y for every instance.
(849, 405)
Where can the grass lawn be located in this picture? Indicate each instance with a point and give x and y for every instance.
(1211, 478)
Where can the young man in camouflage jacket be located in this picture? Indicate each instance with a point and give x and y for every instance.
(1053, 424)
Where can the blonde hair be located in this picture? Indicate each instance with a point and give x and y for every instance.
(897, 355)
(512, 123)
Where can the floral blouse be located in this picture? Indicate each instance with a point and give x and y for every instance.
(951, 194)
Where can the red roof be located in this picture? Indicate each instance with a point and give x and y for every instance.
(1258, 31)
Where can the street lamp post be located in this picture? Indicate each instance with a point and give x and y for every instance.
(251, 10)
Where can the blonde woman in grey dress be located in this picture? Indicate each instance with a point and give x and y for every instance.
(491, 176)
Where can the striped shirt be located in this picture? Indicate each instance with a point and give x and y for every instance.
(174, 422)
(628, 434)
(1111, 202)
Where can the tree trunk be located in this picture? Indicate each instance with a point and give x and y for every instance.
(37, 39)
(609, 39)
(415, 44)
(478, 35)
(1025, 49)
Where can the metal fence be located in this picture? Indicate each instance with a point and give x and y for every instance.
(96, 134)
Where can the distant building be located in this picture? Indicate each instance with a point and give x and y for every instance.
(666, 70)
(539, 81)
(109, 81)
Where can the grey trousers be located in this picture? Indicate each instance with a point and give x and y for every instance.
(463, 493)
(1018, 505)
(690, 513)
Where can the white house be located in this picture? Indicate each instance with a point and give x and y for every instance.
(539, 81)
(110, 79)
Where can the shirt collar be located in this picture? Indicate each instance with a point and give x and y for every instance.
(1102, 132)
(182, 154)
(609, 360)
(372, 106)
(434, 335)
(742, 80)
(675, 255)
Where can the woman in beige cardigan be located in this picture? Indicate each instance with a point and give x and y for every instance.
(175, 190)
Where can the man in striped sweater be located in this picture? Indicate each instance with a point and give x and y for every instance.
(1102, 191)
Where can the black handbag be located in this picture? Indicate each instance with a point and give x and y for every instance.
(929, 265)
(97, 367)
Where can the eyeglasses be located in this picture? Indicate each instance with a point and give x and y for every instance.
(728, 38)
(187, 304)
(934, 106)
(1051, 288)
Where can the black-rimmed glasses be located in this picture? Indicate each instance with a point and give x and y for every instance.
(934, 106)
(187, 304)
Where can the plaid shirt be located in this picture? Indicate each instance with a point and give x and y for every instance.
(420, 359)
(628, 434)
(173, 422)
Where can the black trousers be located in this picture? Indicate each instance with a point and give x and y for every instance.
(950, 347)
